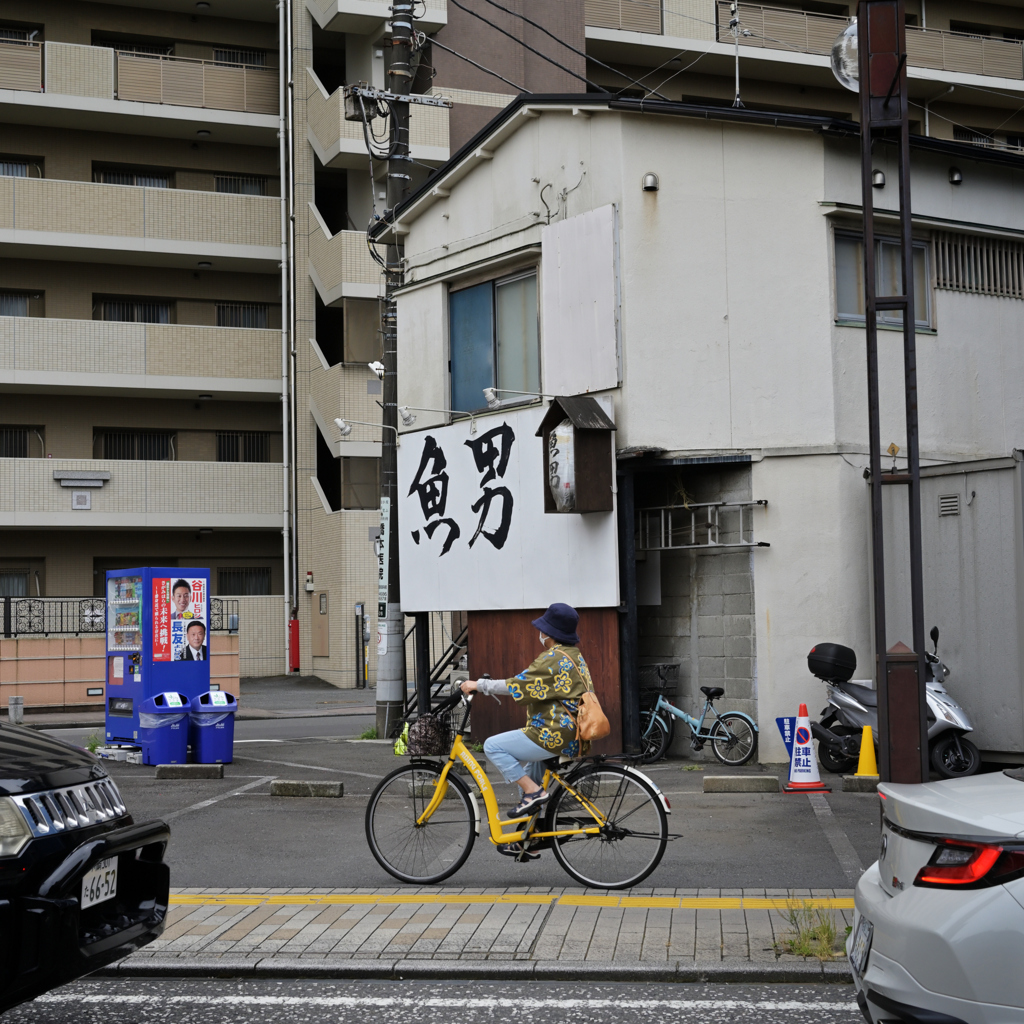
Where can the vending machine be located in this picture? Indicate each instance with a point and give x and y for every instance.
(158, 641)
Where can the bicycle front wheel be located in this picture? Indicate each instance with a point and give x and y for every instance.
(654, 741)
(733, 739)
(423, 852)
(632, 840)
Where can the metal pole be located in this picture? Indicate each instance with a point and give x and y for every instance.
(882, 57)
(734, 26)
(629, 655)
(422, 662)
(390, 621)
(874, 424)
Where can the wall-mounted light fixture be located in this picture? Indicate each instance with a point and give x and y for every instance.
(409, 417)
(650, 182)
(877, 179)
(345, 427)
(494, 402)
(955, 176)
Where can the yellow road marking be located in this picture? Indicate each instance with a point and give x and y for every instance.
(567, 900)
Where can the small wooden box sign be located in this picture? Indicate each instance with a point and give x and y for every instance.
(577, 444)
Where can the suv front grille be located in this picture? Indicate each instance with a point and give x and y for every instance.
(60, 810)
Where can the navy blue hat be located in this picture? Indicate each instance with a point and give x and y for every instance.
(559, 622)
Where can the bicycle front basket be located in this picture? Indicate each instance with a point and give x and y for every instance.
(430, 736)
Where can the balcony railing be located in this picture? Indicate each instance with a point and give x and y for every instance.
(185, 82)
(182, 494)
(21, 66)
(428, 126)
(128, 211)
(778, 28)
(339, 260)
(32, 345)
(70, 69)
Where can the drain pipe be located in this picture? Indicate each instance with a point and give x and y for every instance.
(287, 538)
(293, 325)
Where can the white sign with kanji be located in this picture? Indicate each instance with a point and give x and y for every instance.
(472, 531)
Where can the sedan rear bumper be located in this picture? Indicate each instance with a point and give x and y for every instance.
(888, 991)
(47, 939)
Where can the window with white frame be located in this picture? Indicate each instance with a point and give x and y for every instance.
(888, 279)
(493, 339)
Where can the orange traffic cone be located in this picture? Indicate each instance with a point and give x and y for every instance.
(803, 768)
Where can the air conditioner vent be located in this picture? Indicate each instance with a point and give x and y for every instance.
(949, 504)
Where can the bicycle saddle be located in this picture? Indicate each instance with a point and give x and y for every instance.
(712, 691)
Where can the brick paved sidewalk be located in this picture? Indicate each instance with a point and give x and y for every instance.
(670, 928)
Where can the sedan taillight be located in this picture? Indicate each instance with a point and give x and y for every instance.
(965, 865)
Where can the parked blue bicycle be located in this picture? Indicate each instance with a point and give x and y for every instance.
(733, 735)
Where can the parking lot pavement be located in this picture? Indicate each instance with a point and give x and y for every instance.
(118, 1001)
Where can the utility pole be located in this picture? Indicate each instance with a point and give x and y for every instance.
(734, 27)
(390, 621)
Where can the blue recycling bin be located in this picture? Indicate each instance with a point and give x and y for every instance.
(163, 728)
(212, 727)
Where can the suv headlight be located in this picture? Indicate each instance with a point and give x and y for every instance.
(14, 831)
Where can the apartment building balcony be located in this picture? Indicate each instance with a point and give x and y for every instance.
(777, 28)
(341, 391)
(167, 495)
(156, 360)
(100, 88)
(371, 17)
(340, 143)
(624, 29)
(340, 264)
(45, 218)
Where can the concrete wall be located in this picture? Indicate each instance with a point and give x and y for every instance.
(56, 672)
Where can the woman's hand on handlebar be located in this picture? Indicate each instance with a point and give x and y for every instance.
(468, 685)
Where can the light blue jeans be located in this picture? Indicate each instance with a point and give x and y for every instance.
(515, 755)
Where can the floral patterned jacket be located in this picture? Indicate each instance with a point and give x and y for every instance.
(558, 675)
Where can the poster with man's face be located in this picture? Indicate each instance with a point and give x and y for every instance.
(180, 619)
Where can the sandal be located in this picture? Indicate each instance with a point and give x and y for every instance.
(530, 804)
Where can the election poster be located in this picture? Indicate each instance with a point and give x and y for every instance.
(180, 619)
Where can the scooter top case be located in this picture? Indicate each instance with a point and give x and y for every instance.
(832, 662)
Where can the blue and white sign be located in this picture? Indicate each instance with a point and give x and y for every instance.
(787, 726)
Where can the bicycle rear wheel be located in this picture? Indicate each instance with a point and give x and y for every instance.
(733, 739)
(427, 852)
(632, 841)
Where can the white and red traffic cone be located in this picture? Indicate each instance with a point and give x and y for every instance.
(803, 768)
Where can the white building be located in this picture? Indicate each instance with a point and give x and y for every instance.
(720, 314)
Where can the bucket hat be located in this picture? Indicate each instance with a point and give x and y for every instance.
(559, 622)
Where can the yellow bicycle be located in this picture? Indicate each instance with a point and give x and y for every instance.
(606, 822)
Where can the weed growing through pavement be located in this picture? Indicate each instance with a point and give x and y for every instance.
(693, 768)
(368, 734)
(93, 743)
(814, 933)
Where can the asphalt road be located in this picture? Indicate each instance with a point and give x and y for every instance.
(310, 1002)
(240, 836)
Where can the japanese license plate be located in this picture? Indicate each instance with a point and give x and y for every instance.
(100, 883)
(861, 945)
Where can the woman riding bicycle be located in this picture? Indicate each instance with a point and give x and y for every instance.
(551, 689)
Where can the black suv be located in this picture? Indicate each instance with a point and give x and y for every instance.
(81, 884)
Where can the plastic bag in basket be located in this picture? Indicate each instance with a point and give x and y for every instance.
(402, 743)
(427, 736)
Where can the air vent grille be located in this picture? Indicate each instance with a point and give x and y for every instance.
(949, 504)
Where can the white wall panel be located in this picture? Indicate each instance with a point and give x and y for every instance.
(580, 304)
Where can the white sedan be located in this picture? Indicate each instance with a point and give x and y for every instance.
(938, 933)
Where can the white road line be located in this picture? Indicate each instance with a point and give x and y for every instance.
(469, 1003)
(258, 741)
(261, 781)
(846, 854)
(311, 767)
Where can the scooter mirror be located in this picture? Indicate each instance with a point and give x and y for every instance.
(934, 634)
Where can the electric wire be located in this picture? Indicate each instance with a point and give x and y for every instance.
(562, 42)
(488, 71)
(527, 46)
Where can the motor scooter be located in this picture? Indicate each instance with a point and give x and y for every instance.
(854, 704)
